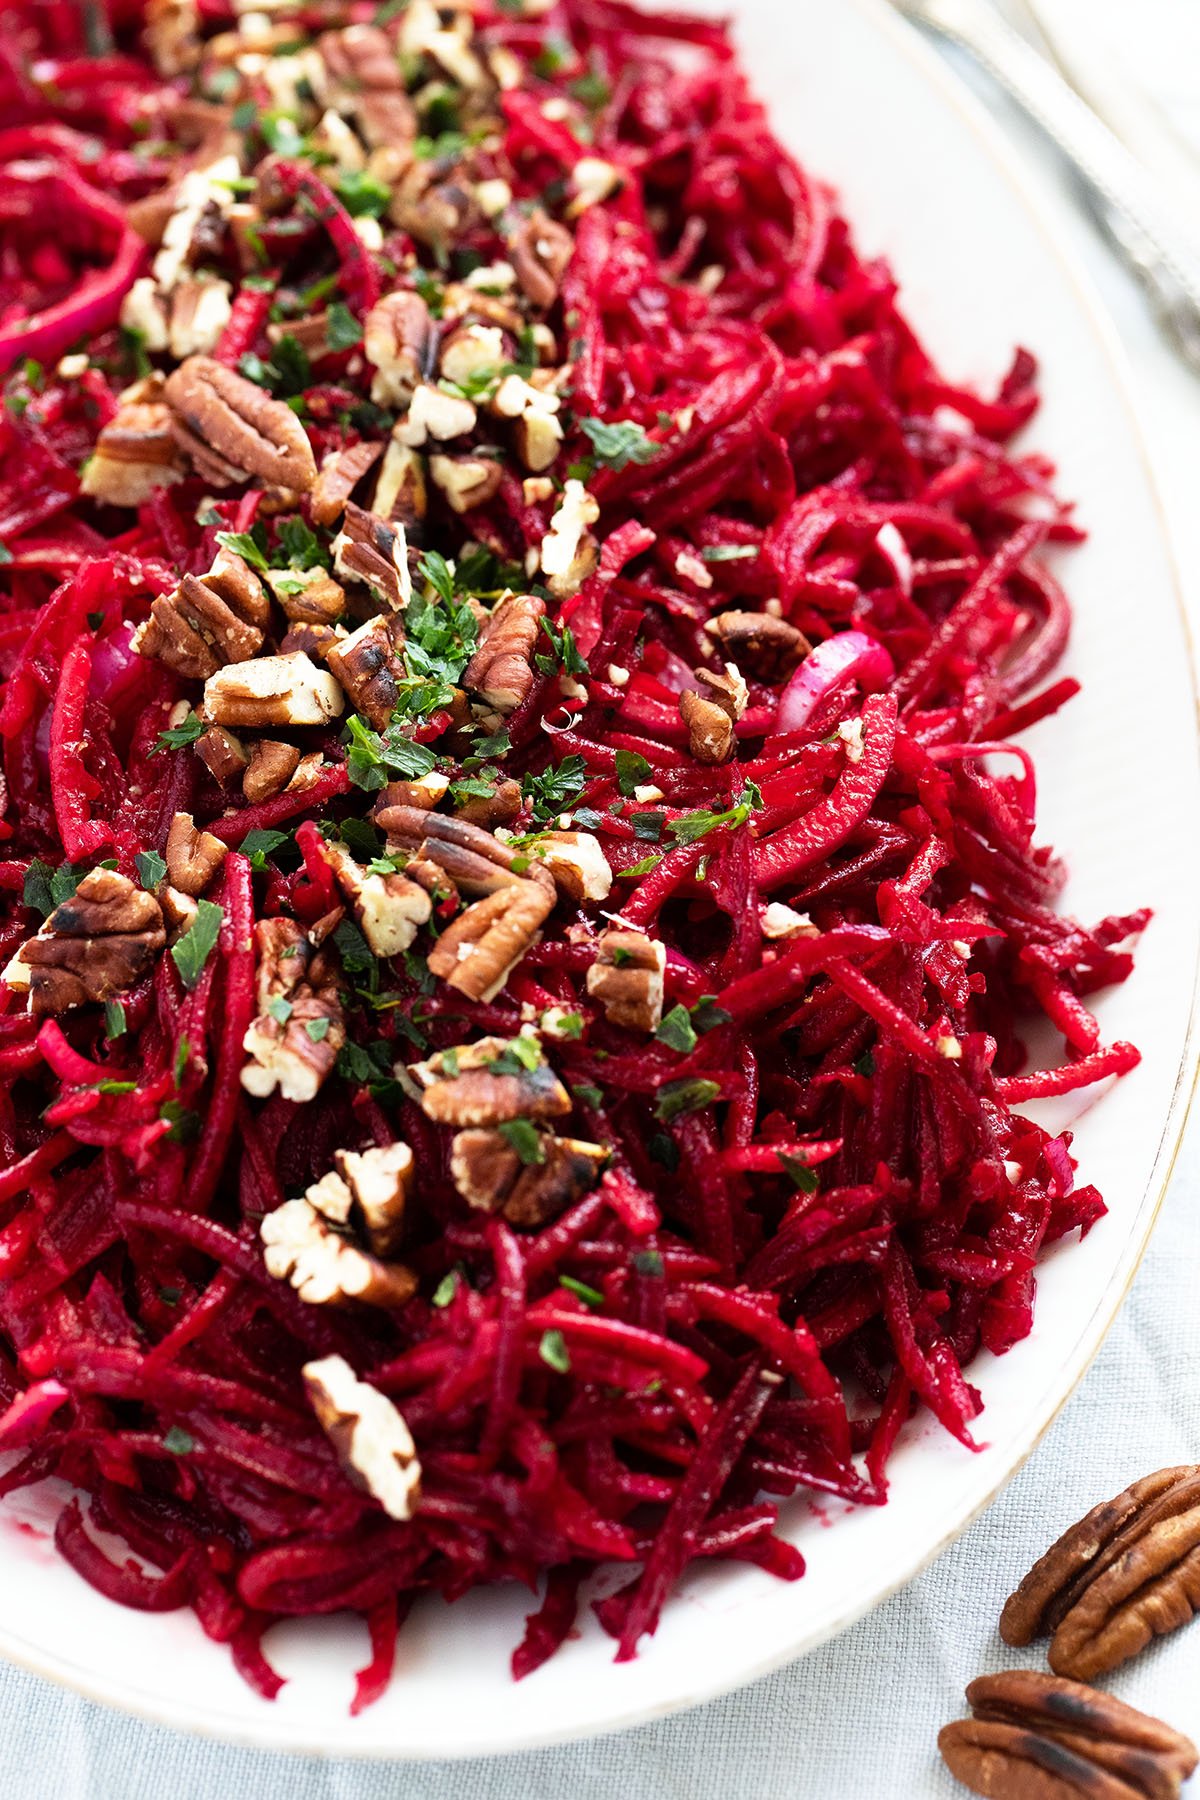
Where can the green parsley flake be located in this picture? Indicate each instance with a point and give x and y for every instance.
(554, 1353)
(198, 943)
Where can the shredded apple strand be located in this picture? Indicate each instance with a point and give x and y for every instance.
(521, 904)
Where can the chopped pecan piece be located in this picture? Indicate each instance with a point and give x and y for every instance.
(360, 61)
(208, 621)
(326, 1268)
(377, 1183)
(374, 551)
(569, 552)
(223, 755)
(769, 647)
(294, 1041)
(461, 1087)
(308, 596)
(1127, 1573)
(315, 640)
(479, 949)
(540, 250)
(501, 670)
(627, 979)
(500, 807)
(537, 435)
(466, 481)
(339, 475)
(400, 492)
(193, 856)
(271, 767)
(1037, 1737)
(399, 341)
(370, 668)
(475, 860)
(370, 1435)
(711, 714)
(200, 311)
(218, 411)
(489, 1174)
(272, 690)
(435, 414)
(135, 453)
(98, 943)
(423, 794)
(577, 863)
(389, 908)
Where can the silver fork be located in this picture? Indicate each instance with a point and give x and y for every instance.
(1114, 183)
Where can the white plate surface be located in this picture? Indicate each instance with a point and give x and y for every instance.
(927, 182)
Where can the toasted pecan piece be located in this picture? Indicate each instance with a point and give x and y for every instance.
(768, 647)
(95, 945)
(193, 856)
(479, 949)
(246, 429)
(337, 479)
(135, 453)
(490, 1174)
(627, 978)
(501, 669)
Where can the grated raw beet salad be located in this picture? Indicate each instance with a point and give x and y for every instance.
(521, 897)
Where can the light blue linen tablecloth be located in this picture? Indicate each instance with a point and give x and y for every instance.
(860, 1717)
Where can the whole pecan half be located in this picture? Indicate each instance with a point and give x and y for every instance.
(478, 951)
(769, 647)
(219, 411)
(501, 670)
(627, 979)
(475, 860)
(470, 1091)
(490, 1175)
(94, 945)
(339, 475)
(1038, 1737)
(1127, 1573)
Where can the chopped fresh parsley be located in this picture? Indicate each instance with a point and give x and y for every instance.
(374, 757)
(317, 1029)
(588, 1095)
(566, 651)
(363, 195)
(649, 1262)
(589, 1295)
(353, 948)
(802, 1177)
(302, 547)
(258, 845)
(178, 1441)
(45, 888)
(679, 1097)
(633, 771)
(115, 1022)
(198, 943)
(524, 1139)
(553, 1351)
(176, 736)
(183, 1056)
(553, 790)
(695, 825)
(151, 869)
(707, 1015)
(342, 329)
(677, 1030)
(719, 553)
(620, 443)
(251, 546)
(446, 1288)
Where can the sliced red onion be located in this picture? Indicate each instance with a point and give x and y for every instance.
(889, 542)
(851, 656)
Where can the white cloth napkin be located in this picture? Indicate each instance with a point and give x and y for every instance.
(859, 1718)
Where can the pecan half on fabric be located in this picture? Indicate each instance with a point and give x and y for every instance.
(491, 1175)
(98, 943)
(224, 421)
(501, 670)
(1127, 1573)
(1038, 1737)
